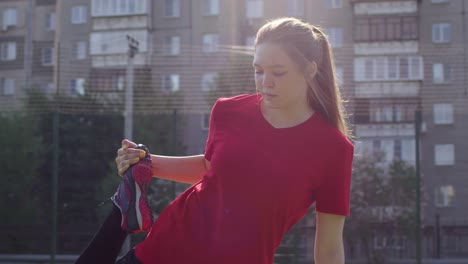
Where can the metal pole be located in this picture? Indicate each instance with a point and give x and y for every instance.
(28, 46)
(417, 125)
(128, 114)
(437, 236)
(128, 126)
(55, 161)
(174, 146)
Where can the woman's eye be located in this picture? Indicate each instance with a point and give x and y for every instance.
(278, 74)
(258, 72)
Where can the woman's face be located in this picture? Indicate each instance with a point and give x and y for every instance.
(278, 78)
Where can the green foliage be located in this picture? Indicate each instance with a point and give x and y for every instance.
(22, 153)
(88, 141)
(383, 203)
(87, 175)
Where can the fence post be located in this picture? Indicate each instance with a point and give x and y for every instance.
(417, 127)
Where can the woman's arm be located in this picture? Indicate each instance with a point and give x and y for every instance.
(188, 169)
(329, 239)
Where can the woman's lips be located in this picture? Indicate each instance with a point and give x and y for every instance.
(269, 95)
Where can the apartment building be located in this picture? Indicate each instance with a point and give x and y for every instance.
(444, 100)
(388, 74)
(391, 56)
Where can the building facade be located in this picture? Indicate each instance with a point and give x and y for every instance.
(391, 57)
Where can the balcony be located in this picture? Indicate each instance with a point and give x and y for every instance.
(388, 76)
(122, 22)
(385, 130)
(387, 89)
(372, 7)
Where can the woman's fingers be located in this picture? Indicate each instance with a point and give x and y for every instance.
(128, 144)
(126, 157)
(123, 169)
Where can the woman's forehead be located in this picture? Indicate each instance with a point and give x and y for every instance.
(270, 56)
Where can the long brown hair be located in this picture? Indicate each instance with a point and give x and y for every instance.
(305, 44)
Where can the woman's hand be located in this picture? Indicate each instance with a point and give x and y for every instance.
(127, 155)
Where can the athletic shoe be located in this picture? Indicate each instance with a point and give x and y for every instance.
(131, 194)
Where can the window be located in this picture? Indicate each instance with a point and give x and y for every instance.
(118, 8)
(439, 1)
(118, 82)
(50, 21)
(392, 68)
(295, 7)
(335, 35)
(210, 43)
(77, 86)
(333, 3)
(47, 56)
(8, 51)
(388, 111)
(8, 86)
(170, 83)
(254, 9)
(443, 114)
(381, 112)
(386, 28)
(444, 154)
(410, 28)
(368, 69)
(377, 28)
(399, 148)
(362, 31)
(393, 28)
(403, 112)
(79, 14)
(382, 146)
(415, 68)
(408, 152)
(380, 70)
(441, 73)
(441, 33)
(388, 68)
(210, 7)
(9, 18)
(115, 42)
(172, 45)
(209, 81)
(445, 196)
(172, 8)
(79, 50)
(205, 121)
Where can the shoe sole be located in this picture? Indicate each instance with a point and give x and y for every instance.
(137, 217)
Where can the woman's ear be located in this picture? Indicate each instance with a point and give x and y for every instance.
(312, 70)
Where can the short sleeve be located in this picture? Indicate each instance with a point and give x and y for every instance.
(211, 133)
(333, 194)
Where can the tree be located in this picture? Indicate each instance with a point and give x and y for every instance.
(89, 135)
(20, 158)
(382, 206)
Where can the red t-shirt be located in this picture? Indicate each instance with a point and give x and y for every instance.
(261, 182)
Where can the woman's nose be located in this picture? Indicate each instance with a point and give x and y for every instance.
(267, 81)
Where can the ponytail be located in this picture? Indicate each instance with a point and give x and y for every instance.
(307, 44)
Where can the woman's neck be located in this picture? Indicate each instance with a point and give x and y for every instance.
(286, 117)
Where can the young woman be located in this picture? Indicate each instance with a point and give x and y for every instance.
(269, 156)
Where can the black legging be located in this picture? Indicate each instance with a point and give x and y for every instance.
(107, 242)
